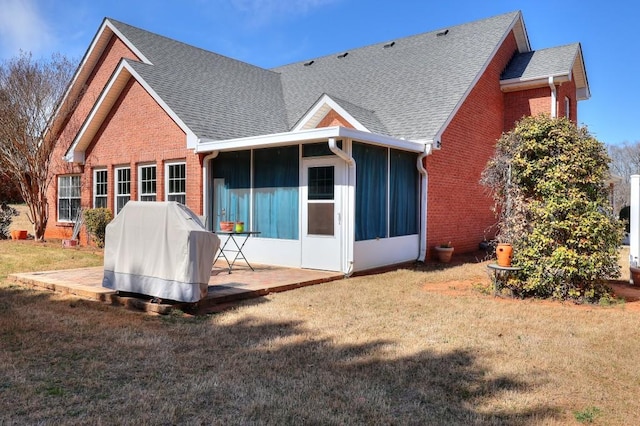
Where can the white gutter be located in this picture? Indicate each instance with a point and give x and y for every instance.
(423, 200)
(206, 190)
(351, 202)
(554, 96)
(304, 136)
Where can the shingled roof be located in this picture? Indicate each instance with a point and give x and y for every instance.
(412, 86)
(405, 90)
(563, 62)
(217, 97)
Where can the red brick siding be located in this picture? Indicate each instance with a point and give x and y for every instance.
(334, 119)
(136, 131)
(568, 90)
(524, 103)
(458, 208)
(538, 101)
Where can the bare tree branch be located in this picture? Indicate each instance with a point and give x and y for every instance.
(30, 93)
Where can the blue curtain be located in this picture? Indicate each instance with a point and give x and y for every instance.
(403, 194)
(276, 188)
(231, 174)
(371, 191)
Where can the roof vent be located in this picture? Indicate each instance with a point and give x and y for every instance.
(388, 45)
(306, 64)
(442, 33)
(343, 55)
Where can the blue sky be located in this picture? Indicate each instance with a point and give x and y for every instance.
(269, 33)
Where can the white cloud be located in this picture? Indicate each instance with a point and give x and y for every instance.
(23, 28)
(261, 12)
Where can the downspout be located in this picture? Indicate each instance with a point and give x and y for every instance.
(554, 98)
(351, 202)
(428, 149)
(206, 190)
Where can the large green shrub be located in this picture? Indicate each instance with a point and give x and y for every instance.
(96, 221)
(548, 180)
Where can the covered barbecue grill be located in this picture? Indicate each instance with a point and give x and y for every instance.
(159, 249)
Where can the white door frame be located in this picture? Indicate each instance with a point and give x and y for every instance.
(323, 251)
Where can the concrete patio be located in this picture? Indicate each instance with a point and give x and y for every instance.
(242, 283)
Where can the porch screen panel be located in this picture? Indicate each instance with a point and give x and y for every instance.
(231, 173)
(403, 193)
(276, 176)
(371, 191)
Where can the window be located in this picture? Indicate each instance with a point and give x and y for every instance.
(371, 191)
(100, 188)
(404, 187)
(276, 177)
(231, 174)
(122, 187)
(387, 192)
(567, 108)
(147, 182)
(68, 198)
(177, 182)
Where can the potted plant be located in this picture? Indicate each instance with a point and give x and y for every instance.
(504, 252)
(444, 251)
(225, 225)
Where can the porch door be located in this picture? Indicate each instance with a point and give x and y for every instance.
(322, 216)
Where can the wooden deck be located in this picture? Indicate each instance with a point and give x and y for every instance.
(224, 288)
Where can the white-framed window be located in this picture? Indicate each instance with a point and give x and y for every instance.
(567, 107)
(68, 197)
(99, 188)
(122, 187)
(176, 182)
(147, 182)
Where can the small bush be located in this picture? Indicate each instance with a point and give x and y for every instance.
(6, 217)
(96, 221)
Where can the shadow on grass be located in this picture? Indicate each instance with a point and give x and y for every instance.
(91, 363)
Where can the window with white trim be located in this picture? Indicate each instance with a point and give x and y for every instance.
(176, 182)
(68, 198)
(100, 188)
(567, 108)
(122, 187)
(147, 182)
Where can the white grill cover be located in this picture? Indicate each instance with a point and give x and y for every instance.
(159, 249)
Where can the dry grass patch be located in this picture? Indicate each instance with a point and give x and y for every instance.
(30, 256)
(381, 349)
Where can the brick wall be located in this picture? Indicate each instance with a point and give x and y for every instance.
(136, 131)
(538, 101)
(458, 208)
(333, 119)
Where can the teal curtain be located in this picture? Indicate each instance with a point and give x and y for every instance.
(371, 191)
(276, 192)
(403, 194)
(231, 174)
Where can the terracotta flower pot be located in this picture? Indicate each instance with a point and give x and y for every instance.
(226, 226)
(635, 275)
(444, 254)
(19, 234)
(69, 243)
(504, 252)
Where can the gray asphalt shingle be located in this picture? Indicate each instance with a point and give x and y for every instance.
(407, 91)
(542, 63)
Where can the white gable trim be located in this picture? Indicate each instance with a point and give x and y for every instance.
(103, 106)
(128, 43)
(89, 60)
(320, 110)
